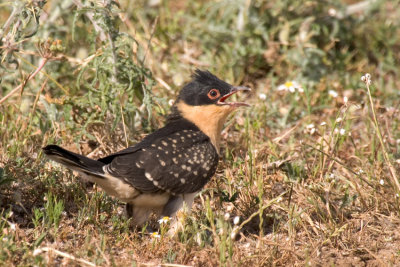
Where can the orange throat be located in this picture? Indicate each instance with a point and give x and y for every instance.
(208, 118)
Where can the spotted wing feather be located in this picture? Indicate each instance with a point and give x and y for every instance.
(181, 162)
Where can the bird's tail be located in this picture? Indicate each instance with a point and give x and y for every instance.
(74, 161)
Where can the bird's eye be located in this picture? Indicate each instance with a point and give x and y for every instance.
(213, 94)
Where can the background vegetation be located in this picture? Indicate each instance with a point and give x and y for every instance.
(307, 176)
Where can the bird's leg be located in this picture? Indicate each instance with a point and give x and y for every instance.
(182, 203)
(138, 214)
(173, 205)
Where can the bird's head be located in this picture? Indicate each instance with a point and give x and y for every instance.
(206, 89)
(203, 102)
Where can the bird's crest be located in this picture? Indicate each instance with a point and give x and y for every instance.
(207, 78)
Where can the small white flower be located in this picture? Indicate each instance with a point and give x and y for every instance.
(291, 86)
(335, 131)
(333, 93)
(397, 195)
(236, 220)
(234, 233)
(13, 227)
(360, 171)
(227, 216)
(198, 239)
(339, 120)
(164, 220)
(311, 128)
(282, 87)
(323, 123)
(332, 12)
(155, 235)
(230, 207)
(171, 102)
(262, 96)
(345, 99)
(342, 131)
(381, 181)
(366, 79)
(331, 175)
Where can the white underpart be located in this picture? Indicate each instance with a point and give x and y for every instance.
(113, 186)
(144, 203)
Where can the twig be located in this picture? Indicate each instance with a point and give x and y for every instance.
(258, 212)
(114, 58)
(114, 54)
(124, 126)
(9, 20)
(151, 37)
(62, 254)
(165, 264)
(367, 80)
(340, 163)
(89, 15)
(381, 262)
(355, 8)
(22, 85)
(45, 73)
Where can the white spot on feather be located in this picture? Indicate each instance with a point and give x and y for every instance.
(148, 176)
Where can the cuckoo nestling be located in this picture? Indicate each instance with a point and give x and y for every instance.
(168, 167)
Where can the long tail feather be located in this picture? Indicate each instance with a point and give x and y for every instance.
(74, 161)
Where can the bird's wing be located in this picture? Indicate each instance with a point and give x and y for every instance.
(181, 162)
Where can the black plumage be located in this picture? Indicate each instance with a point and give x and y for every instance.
(178, 159)
(170, 165)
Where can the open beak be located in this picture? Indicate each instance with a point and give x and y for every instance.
(233, 91)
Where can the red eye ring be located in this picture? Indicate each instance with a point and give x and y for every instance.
(213, 94)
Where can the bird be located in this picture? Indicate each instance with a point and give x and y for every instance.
(163, 173)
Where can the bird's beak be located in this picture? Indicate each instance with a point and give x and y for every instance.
(233, 91)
